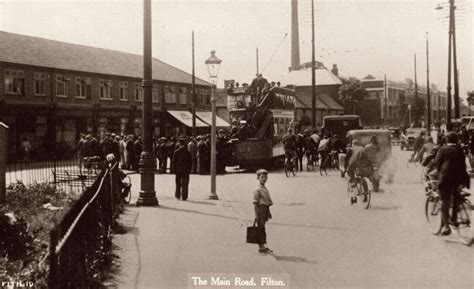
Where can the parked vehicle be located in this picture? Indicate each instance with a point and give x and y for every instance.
(340, 124)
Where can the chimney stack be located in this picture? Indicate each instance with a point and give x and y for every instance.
(335, 70)
(295, 39)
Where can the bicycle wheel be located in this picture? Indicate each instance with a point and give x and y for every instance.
(364, 194)
(464, 221)
(351, 191)
(433, 214)
(309, 165)
(287, 170)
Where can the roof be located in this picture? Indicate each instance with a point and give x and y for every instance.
(344, 116)
(323, 101)
(302, 77)
(22, 49)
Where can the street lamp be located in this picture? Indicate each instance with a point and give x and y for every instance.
(409, 115)
(213, 65)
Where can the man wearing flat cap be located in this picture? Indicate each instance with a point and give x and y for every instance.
(182, 168)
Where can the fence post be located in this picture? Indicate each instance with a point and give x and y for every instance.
(3, 160)
(53, 259)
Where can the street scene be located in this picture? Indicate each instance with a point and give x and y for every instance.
(236, 144)
(319, 240)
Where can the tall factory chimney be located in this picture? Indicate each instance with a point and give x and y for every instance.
(295, 39)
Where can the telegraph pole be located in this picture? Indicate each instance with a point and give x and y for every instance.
(257, 61)
(385, 98)
(450, 34)
(313, 69)
(455, 61)
(193, 95)
(428, 95)
(416, 83)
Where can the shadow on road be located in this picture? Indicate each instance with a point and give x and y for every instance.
(384, 208)
(201, 202)
(310, 226)
(197, 212)
(293, 259)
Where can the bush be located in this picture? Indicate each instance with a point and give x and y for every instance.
(24, 243)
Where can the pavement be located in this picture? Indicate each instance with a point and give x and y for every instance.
(165, 246)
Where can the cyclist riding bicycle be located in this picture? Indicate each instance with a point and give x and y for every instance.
(289, 146)
(309, 146)
(365, 160)
(417, 145)
(451, 166)
(324, 149)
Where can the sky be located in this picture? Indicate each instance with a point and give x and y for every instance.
(362, 37)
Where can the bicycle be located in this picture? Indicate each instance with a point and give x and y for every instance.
(92, 165)
(329, 160)
(433, 213)
(126, 192)
(360, 191)
(412, 161)
(310, 160)
(290, 166)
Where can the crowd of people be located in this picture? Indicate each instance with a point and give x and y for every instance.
(128, 148)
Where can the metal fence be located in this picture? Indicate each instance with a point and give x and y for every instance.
(69, 175)
(79, 243)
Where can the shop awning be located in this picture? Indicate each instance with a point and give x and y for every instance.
(206, 116)
(186, 118)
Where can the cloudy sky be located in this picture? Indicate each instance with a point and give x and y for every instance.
(363, 37)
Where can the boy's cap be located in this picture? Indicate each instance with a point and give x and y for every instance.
(262, 172)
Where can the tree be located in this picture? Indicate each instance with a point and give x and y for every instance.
(351, 93)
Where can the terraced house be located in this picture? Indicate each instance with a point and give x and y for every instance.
(51, 91)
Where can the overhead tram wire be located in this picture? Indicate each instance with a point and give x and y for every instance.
(276, 50)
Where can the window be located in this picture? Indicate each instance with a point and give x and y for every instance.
(40, 79)
(123, 90)
(138, 92)
(83, 87)
(156, 96)
(61, 86)
(170, 94)
(14, 82)
(182, 95)
(105, 89)
(205, 96)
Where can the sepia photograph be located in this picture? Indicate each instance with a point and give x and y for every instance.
(211, 144)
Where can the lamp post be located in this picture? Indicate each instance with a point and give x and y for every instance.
(147, 162)
(409, 115)
(213, 65)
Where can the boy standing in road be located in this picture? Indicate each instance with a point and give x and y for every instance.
(262, 202)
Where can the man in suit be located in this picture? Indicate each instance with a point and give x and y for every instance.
(182, 163)
(451, 166)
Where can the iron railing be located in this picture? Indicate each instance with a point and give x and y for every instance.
(80, 242)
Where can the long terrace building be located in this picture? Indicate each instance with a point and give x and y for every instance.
(52, 91)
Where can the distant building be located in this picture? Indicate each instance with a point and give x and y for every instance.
(52, 91)
(389, 104)
(327, 91)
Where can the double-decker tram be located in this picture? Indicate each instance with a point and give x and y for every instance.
(259, 122)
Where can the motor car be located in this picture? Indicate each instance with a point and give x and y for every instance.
(395, 135)
(384, 140)
(407, 140)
